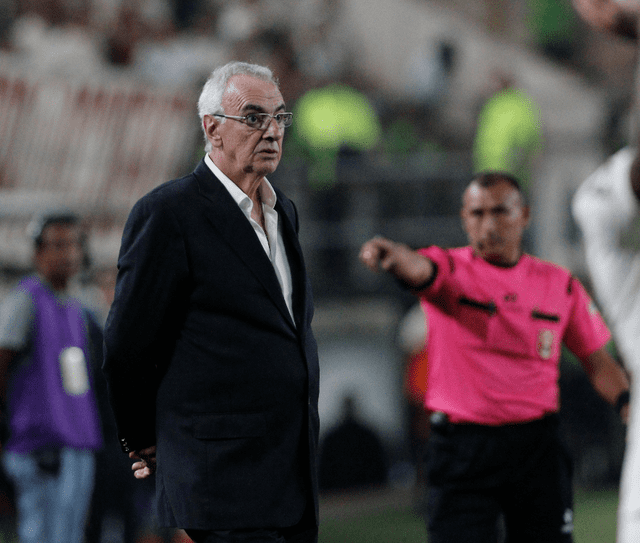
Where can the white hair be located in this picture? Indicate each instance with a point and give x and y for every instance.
(210, 100)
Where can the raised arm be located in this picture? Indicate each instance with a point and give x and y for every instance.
(405, 264)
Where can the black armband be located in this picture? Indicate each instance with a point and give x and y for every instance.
(623, 399)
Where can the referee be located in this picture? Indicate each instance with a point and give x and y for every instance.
(497, 319)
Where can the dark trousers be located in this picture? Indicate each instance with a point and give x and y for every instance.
(481, 477)
(306, 531)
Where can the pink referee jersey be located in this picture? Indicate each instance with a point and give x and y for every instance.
(495, 335)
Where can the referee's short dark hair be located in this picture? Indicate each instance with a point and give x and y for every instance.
(489, 178)
(43, 220)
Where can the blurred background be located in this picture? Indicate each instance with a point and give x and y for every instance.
(396, 103)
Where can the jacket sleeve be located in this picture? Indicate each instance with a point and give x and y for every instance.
(142, 323)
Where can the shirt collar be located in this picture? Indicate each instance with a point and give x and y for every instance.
(267, 194)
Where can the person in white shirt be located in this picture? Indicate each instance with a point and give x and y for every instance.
(607, 209)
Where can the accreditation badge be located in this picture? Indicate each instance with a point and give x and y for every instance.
(73, 366)
(544, 345)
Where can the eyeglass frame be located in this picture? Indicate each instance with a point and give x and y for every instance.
(265, 123)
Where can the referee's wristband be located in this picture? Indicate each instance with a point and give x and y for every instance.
(623, 399)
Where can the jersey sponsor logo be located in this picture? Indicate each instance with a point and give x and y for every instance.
(544, 345)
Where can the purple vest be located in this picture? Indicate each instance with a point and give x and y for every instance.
(51, 398)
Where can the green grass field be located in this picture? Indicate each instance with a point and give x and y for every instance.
(595, 522)
(396, 522)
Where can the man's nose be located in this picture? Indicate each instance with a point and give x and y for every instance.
(273, 130)
(488, 225)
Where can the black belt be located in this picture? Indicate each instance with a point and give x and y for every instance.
(440, 422)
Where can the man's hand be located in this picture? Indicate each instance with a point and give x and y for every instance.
(146, 464)
(405, 264)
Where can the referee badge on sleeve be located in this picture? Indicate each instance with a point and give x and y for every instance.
(544, 345)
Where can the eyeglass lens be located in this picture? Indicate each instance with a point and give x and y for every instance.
(261, 120)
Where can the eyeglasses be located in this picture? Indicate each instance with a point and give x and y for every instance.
(260, 121)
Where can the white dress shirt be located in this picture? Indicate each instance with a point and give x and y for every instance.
(275, 251)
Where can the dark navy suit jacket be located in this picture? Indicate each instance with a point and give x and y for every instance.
(203, 359)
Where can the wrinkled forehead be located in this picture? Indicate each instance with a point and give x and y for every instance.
(249, 92)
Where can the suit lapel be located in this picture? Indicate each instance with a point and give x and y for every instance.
(295, 258)
(234, 228)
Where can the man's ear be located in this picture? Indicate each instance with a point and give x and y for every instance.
(211, 124)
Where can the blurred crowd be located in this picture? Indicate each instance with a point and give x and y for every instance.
(174, 42)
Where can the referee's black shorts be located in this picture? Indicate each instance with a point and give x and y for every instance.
(478, 475)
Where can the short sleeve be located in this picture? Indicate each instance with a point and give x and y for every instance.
(444, 267)
(16, 317)
(586, 332)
